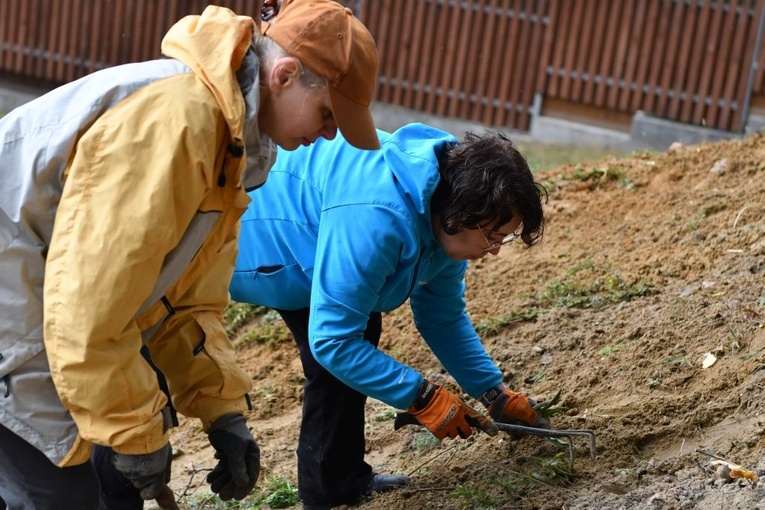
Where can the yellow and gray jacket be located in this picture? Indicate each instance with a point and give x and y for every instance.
(119, 207)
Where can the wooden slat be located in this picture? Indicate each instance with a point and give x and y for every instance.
(646, 56)
(404, 52)
(39, 13)
(387, 45)
(5, 24)
(465, 37)
(414, 53)
(426, 59)
(512, 54)
(490, 65)
(129, 33)
(448, 57)
(547, 45)
(618, 68)
(734, 87)
(560, 41)
(659, 54)
(496, 63)
(514, 117)
(670, 63)
(587, 36)
(72, 48)
(59, 42)
(759, 76)
(36, 18)
(439, 57)
(475, 51)
(696, 61)
(142, 39)
(723, 57)
(609, 47)
(480, 49)
(573, 46)
(739, 115)
(669, 70)
(537, 29)
(155, 30)
(114, 32)
(595, 52)
(22, 37)
(11, 35)
(636, 40)
(708, 71)
(684, 56)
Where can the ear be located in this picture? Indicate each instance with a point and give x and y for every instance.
(284, 73)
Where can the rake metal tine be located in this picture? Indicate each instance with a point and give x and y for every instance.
(570, 442)
(568, 434)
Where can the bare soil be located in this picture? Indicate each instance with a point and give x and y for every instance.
(651, 267)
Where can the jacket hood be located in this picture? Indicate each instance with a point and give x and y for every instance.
(213, 45)
(412, 153)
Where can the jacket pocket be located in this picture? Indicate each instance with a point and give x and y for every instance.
(282, 287)
(21, 290)
(233, 382)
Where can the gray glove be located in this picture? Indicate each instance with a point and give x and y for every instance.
(238, 457)
(148, 472)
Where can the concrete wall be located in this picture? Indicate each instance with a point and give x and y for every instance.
(13, 95)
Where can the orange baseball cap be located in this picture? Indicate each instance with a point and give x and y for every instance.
(330, 41)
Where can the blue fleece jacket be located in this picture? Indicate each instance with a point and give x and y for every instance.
(348, 232)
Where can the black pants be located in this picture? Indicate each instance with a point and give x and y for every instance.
(29, 480)
(331, 467)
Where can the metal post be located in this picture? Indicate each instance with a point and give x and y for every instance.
(752, 70)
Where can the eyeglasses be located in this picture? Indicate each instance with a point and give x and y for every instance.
(498, 244)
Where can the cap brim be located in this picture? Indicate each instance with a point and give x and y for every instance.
(354, 121)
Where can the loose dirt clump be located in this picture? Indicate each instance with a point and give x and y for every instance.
(644, 305)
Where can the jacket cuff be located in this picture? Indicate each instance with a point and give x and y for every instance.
(153, 440)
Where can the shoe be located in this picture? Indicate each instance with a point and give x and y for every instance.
(385, 483)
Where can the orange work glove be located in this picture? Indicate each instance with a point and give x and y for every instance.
(507, 406)
(447, 415)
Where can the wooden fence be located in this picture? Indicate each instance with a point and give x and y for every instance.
(693, 61)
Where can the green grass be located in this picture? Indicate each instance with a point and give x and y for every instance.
(509, 485)
(589, 285)
(237, 315)
(545, 156)
(278, 492)
(495, 325)
(584, 285)
(268, 326)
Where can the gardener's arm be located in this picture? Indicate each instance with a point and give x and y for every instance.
(440, 315)
(352, 266)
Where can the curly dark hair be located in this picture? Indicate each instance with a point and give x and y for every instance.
(484, 179)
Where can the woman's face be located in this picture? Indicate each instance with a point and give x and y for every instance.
(304, 115)
(293, 114)
(474, 244)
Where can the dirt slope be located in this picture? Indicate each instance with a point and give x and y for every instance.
(649, 266)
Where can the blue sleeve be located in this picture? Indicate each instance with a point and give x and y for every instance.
(441, 318)
(359, 247)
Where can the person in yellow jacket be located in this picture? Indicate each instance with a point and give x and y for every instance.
(119, 212)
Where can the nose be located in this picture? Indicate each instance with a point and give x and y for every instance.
(328, 131)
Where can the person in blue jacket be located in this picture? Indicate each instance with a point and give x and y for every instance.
(338, 236)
